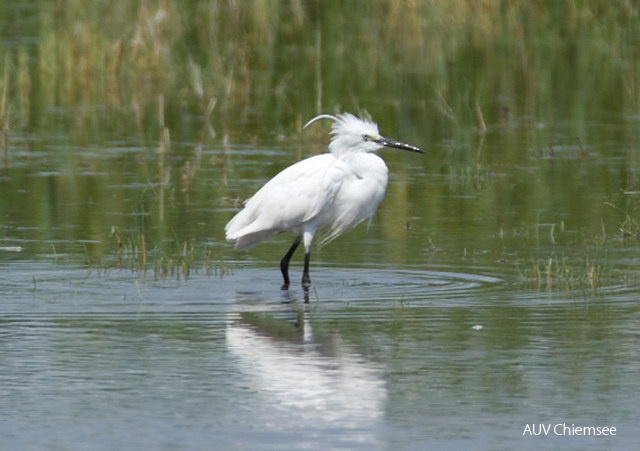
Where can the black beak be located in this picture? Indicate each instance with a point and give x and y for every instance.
(397, 144)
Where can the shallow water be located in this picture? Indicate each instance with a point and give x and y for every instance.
(379, 358)
(128, 323)
(495, 291)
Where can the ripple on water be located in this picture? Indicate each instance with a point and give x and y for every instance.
(371, 286)
(406, 285)
(41, 288)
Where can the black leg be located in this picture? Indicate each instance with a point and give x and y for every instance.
(284, 263)
(306, 280)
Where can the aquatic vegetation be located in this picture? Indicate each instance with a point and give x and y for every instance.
(175, 260)
(562, 273)
(132, 248)
(112, 65)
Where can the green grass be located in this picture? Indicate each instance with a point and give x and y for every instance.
(425, 55)
(562, 273)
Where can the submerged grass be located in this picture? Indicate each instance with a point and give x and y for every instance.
(593, 269)
(585, 264)
(176, 261)
(562, 273)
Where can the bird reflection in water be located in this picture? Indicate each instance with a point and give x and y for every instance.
(312, 376)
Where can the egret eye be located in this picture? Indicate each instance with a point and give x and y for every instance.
(366, 138)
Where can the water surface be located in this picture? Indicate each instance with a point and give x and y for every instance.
(381, 358)
(496, 289)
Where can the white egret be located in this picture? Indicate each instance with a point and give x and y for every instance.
(331, 191)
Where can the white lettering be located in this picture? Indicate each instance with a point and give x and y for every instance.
(538, 429)
(564, 429)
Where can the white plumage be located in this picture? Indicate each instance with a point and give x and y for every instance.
(331, 192)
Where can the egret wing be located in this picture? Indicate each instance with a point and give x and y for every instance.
(296, 195)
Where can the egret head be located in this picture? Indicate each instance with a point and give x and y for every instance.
(353, 134)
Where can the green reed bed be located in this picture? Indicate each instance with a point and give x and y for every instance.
(414, 54)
